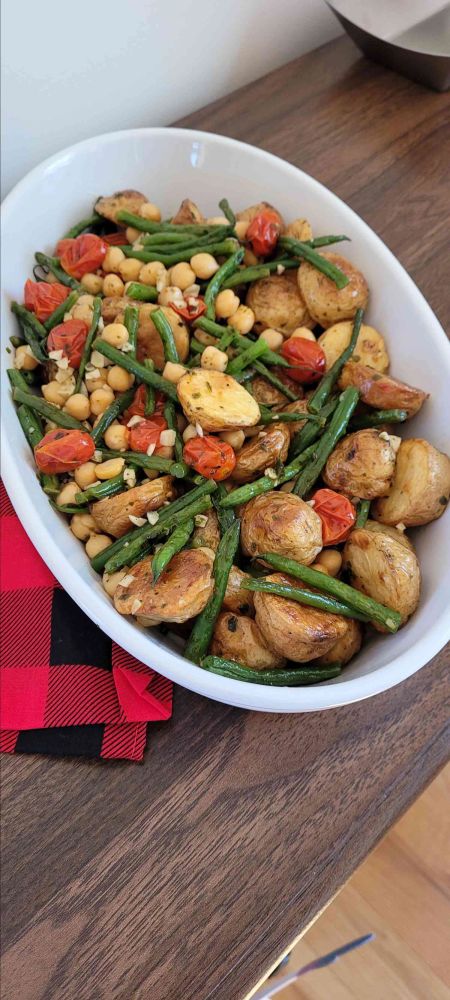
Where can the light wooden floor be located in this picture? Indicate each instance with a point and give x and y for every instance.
(400, 893)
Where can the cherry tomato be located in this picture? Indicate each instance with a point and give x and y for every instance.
(194, 307)
(211, 457)
(70, 338)
(306, 357)
(80, 256)
(337, 514)
(117, 239)
(63, 450)
(137, 408)
(147, 432)
(43, 298)
(263, 232)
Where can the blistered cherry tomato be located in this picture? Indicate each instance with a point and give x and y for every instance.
(307, 358)
(81, 256)
(63, 450)
(337, 514)
(137, 407)
(193, 308)
(211, 457)
(117, 239)
(43, 298)
(70, 338)
(146, 433)
(263, 232)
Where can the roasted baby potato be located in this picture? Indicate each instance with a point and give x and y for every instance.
(370, 347)
(248, 214)
(264, 392)
(188, 214)
(381, 391)
(112, 515)
(299, 229)
(114, 306)
(239, 638)
(237, 600)
(382, 564)
(181, 592)
(299, 406)
(121, 201)
(277, 303)
(209, 535)
(265, 450)
(421, 486)
(149, 343)
(363, 464)
(216, 401)
(346, 647)
(294, 630)
(281, 523)
(325, 302)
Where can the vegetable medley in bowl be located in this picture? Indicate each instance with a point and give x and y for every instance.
(208, 408)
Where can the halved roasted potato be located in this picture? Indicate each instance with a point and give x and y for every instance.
(277, 303)
(149, 343)
(112, 515)
(237, 600)
(294, 630)
(188, 214)
(266, 393)
(248, 214)
(363, 464)
(239, 638)
(381, 391)
(121, 201)
(181, 592)
(382, 564)
(298, 406)
(216, 401)
(113, 306)
(421, 486)
(281, 523)
(327, 303)
(265, 450)
(299, 229)
(370, 347)
(346, 647)
(207, 535)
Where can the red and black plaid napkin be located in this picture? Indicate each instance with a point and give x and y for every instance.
(66, 688)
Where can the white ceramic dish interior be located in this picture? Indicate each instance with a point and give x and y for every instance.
(168, 165)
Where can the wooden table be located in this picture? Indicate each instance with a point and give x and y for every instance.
(185, 878)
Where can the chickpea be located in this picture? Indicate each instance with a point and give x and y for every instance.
(86, 475)
(132, 234)
(67, 494)
(129, 269)
(24, 359)
(77, 406)
(170, 294)
(227, 303)
(117, 437)
(119, 379)
(115, 334)
(95, 380)
(96, 544)
(113, 259)
(273, 338)
(250, 258)
(189, 432)
(217, 220)
(214, 360)
(154, 273)
(319, 568)
(83, 309)
(111, 581)
(83, 526)
(151, 473)
(150, 211)
(173, 372)
(331, 559)
(54, 393)
(101, 399)
(204, 265)
(235, 438)
(93, 283)
(241, 228)
(165, 452)
(112, 467)
(113, 285)
(243, 319)
(182, 275)
(302, 331)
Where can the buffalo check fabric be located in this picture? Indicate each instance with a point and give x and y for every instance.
(65, 687)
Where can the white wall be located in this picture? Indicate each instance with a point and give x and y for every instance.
(72, 70)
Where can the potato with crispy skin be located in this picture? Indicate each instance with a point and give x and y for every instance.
(239, 638)
(421, 487)
(381, 391)
(370, 348)
(248, 214)
(281, 523)
(113, 307)
(188, 214)
(149, 343)
(112, 515)
(121, 201)
(298, 406)
(182, 591)
(265, 450)
(346, 647)
(216, 401)
(207, 535)
(237, 600)
(362, 464)
(381, 563)
(278, 304)
(266, 393)
(327, 303)
(295, 630)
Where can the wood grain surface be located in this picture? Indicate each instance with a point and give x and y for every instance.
(184, 878)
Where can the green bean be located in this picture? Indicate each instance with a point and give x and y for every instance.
(16, 341)
(168, 238)
(247, 357)
(326, 384)
(266, 483)
(308, 597)
(326, 241)
(202, 631)
(275, 418)
(175, 543)
(99, 491)
(136, 548)
(52, 264)
(225, 515)
(96, 313)
(68, 508)
(170, 415)
(150, 398)
(142, 293)
(326, 444)
(50, 484)
(30, 425)
(33, 331)
(131, 322)
(225, 340)
(246, 275)
(309, 433)
(377, 417)
(118, 405)
(155, 462)
(80, 227)
(166, 333)
(163, 244)
(376, 612)
(239, 341)
(17, 379)
(47, 410)
(296, 677)
(147, 226)
(276, 382)
(224, 247)
(136, 368)
(224, 206)
(363, 509)
(58, 314)
(322, 264)
(225, 271)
